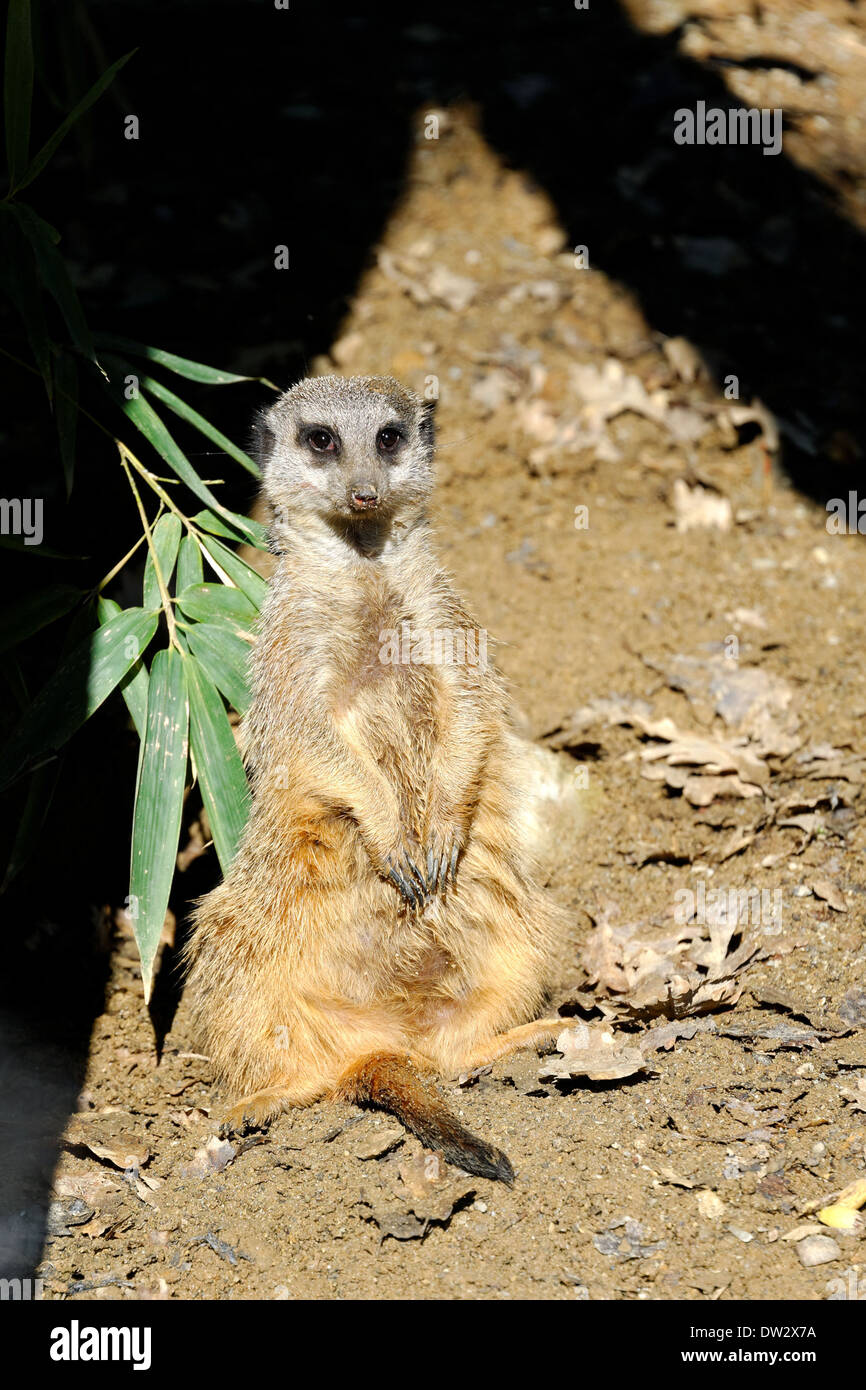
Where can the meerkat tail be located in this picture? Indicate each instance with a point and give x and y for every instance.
(393, 1083)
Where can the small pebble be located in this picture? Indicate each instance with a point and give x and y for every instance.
(817, 1250)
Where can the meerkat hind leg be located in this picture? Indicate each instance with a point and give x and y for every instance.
(504, 1044)
(255, 1111)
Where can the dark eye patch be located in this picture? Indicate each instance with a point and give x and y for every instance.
(321, 439)
(389, 438)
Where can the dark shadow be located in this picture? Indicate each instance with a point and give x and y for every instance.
(261, 128)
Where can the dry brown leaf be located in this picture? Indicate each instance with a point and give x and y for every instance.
(639, 973)
(608, 391)
(377, 1141)
(855, 1097)
(594, 1053)
(829, 893)
(426, 1191)
(428, 284)
(94, 1187)
(697, 508)
(684, 747)
(216, 1155)
(675, 1179)
(123, 1151)
(683, 357)
(753, 702)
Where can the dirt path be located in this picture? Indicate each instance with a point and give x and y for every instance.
(558, 511)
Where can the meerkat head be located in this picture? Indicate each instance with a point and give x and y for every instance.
(352, 452)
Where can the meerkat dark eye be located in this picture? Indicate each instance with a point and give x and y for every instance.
(388, 439)
(322, 441)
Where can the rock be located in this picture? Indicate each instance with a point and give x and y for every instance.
(817, 1250)
(852, 1008)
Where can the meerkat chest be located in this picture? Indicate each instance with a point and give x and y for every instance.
(390, 660)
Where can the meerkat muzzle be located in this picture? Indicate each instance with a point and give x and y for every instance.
(364, 499)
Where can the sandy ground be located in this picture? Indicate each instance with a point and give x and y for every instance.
(564, 517)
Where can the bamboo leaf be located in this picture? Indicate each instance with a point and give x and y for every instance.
(181, 366)
(158, 805)
(85, 678)
(18, 85)
(142, 414)
(133, 686)
(55, 276)
(221, 775)
(40, 794)
(192, 417)
(226, 659)
(231, 531)
(166, 539)
(66, 412)
(41, 158)
(35, 611)
(189, 566)
(215, 602)
(226, 562)
(21, 283)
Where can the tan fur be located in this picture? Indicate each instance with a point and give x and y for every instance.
(306, 960)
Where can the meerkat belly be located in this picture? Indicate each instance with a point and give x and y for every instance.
(396, 714)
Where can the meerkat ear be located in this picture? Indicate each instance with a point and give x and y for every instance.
(262, 439)
(426, 424)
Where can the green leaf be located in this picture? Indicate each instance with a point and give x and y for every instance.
(226, 659)
(192, 417)
(55, 276)
(227, 563)
(66, 412)
(40, 794)
(221, 775)
(38, 162)
(182, 366)
(158, 805)
(133, 687)
(18, 85)
(232, 531)
(142, 414)
(166, 539)
(189, 566)
(21, 282)
(35, 611)
(85, 678)
(213, 602)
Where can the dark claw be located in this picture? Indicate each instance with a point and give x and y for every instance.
(431, 870)
(443, 871)
(454, 854)
(417, 876)
(405, 889)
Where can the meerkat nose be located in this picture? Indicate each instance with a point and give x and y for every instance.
(364, 497)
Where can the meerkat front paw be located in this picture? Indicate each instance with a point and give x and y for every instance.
(402, 868)
(442, 864)
(253, 1112)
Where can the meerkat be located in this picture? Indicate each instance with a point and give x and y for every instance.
(380, 923)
